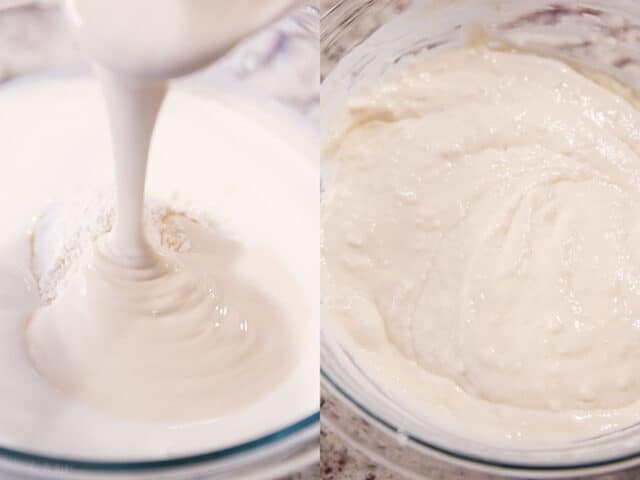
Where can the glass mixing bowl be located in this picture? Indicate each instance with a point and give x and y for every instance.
(357, 44)
(277, 64)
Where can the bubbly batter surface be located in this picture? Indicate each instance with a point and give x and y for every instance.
(481, 243)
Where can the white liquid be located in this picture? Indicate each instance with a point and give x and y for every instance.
(133, 107)
(184, 340)
(155, 335)
(39, 416)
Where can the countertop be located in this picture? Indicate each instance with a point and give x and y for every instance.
(341, 462)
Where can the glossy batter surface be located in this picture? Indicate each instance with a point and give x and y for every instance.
(195, 351)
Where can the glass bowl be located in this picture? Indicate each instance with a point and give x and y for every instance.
(358, 44)
(275, 65)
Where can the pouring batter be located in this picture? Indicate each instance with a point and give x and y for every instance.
(160, 323)
(172, 335)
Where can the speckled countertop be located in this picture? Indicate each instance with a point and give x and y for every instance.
(341, 462)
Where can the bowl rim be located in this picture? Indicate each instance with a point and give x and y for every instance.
(462, 458)
(47, 462)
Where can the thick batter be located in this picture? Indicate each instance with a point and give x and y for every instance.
(481, 244)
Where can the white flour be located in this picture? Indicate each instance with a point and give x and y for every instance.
(71, 225)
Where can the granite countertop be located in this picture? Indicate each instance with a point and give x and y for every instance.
(338, 461)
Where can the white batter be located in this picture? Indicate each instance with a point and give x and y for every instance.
(204, 322)
(186, 339)
(481, 244)
(243, 230)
